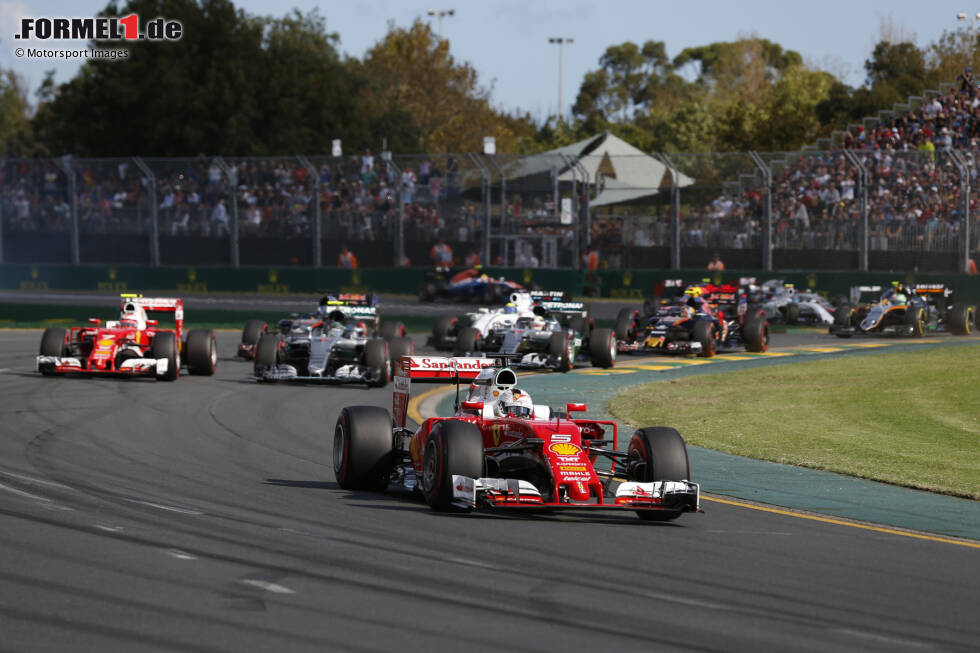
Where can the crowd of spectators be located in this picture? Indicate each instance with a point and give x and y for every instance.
(915, 195)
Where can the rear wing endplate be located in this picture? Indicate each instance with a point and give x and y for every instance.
(431, 369)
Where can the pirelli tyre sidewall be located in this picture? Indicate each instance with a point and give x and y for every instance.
(657, 453)
(251, 332)
(755, 333)
(376, 357)
(362, 448)
(453, 447)
(52, 344)
(267, 353)
(165, 346)
(202, 352)
(704, 333)
(602, 347)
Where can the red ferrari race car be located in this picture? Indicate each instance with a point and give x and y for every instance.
(502, 451)
(133, 345)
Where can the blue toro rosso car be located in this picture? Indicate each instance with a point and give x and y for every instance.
(470, 285)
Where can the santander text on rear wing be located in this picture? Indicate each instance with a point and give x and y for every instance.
(431, 369)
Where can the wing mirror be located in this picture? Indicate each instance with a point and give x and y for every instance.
(473, 405)
(152, 322)
(94, 321)
(575, 408)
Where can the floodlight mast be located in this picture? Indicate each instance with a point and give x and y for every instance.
(561, 41)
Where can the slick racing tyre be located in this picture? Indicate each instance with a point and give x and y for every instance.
(398, 347)
(362, 448)
(624, 323)
(915, 317)
(844, 316)
(467, 341)
(376, 357)
(165, 346)
(755, 333)
(391, 330)
(441, 331)
(453, 447)
(657, 453)
(602, 347)
(267, 353)
(427, 292)
(962, 320)
(202, 353)
(253, 330)
(560, 348)
(52, 344)
(791, 313)
(704, 332)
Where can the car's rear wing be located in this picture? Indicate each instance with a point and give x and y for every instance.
(432, 369)
(931, 289)
(331, 298)
(173, 305)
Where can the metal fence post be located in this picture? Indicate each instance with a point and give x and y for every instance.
(400, 232)
(317, 228)
(154, 212)
(675, 214)
(485, 180)
(232, 175)
(863, 181)
(65, 163)
(503, 192)
(960, 162)
(767, 211)
(577, 162)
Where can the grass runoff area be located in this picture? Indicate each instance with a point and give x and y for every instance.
(909, 419)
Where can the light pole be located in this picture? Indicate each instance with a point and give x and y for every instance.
(561, 44)
(440, 13)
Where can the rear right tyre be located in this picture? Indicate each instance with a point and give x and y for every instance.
(624, 323)
(962, 319)
(441, 331)
(755, 333)
(202, 352)
(602, 348)
(704, 332)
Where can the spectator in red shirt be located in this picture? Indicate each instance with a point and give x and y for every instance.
(346, 260)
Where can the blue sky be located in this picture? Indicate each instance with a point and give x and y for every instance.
(507, 40)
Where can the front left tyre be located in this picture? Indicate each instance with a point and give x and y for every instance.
(165, 346)
(657, 453)
(454, 447)
(362, 448)
(52, 344)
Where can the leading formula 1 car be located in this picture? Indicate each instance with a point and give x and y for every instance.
(353, 307)
(901, 310)
(133, 345)
(706, 319)
(333, 345)
(500, 451)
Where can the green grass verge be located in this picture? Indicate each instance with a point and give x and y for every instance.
(909, 419)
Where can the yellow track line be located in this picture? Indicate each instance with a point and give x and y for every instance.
(842, 522)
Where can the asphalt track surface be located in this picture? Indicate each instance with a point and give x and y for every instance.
(202, 515)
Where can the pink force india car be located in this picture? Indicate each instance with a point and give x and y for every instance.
(528, 457)
(133, 345)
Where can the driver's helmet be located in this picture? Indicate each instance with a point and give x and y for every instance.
(516, 403)
(511, 307)
(538, 323)
(688, 311)
(694, 291)
(132, 316)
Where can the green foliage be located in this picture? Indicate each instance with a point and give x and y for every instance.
(15, 127)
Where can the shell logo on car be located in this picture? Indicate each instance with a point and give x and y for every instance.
(106, 342)
(565, 449)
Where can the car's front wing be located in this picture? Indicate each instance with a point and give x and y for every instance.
(129, 367)
(343, 374)
(511, 493)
